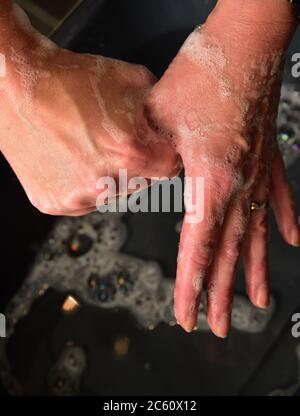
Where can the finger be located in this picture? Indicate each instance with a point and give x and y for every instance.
(197, 245)
(222, 274)
(163, 161)
(81, 212)
(63, 213)
(255, 248)
(283, 202)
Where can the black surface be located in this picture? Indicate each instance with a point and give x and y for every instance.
(22, 231)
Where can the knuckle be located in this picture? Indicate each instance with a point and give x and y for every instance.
(260, 267)
(201, 255)
(231, 250)
(136, 158)
(84, 197)
(260, 225)
(45, 207)
(237, 152)
(145, 75)
(70, 202)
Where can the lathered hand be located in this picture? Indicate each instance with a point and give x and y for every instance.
(69, 119)
(218, 103)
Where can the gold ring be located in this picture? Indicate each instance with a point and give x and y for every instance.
(259, 205)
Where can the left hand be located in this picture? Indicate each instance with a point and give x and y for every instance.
(218, 103)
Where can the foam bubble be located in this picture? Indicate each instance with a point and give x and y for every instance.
(203, 50)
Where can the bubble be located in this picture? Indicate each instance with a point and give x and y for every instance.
(79, 245)
(246, 317)
(284, 105)
(286, 133)
(151, 275)
(289, 124)
(65, 376)
(103, 287)
(121, 347)
(124, 282)
(201, 49)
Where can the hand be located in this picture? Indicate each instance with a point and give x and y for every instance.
(218, 104)
(69, 119)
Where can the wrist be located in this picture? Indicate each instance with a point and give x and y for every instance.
(259, 22)
(16, 42)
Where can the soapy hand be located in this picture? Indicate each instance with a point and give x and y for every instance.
(69, 119)
(218, 104)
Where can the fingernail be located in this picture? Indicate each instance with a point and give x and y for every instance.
(262, 297)
(221, 328)
(295, 237)
(188, 324)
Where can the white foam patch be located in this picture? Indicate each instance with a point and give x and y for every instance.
(198, 281)
(204, 51)
(109, 126)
